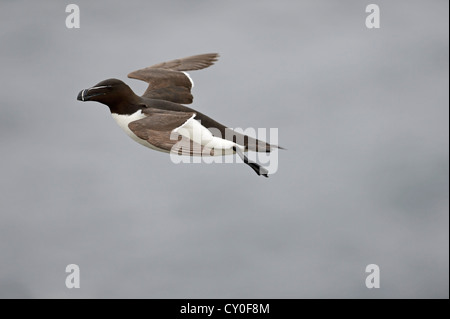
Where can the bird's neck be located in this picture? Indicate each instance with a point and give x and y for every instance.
(127, 106)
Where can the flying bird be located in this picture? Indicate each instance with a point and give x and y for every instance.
(159, 120)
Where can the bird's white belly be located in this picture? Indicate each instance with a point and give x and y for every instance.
(195, 131)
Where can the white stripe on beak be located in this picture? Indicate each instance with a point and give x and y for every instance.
(98, 87)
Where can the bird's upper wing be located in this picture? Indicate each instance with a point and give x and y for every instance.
(167, 81)
(157, 129)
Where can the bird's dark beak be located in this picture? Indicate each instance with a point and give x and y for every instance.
(82, 95)
(89, 94)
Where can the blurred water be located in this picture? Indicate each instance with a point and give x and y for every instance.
(363, 113)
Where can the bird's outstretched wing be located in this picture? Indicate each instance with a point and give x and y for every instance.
(168, 81)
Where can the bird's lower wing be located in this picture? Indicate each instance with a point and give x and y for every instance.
(167, 130)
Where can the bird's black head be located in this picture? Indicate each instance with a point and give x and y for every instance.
(109, 92)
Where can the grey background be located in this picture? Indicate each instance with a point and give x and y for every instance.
(363, 113)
